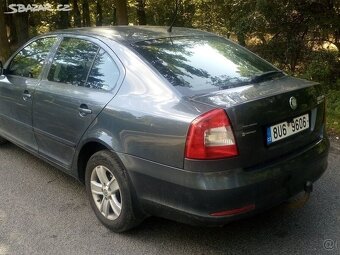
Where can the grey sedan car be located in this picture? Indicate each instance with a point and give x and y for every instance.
(184, 125)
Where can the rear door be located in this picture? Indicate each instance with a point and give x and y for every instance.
(16, 91)
(80, 82)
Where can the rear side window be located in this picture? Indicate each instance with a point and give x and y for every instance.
(202, 63)
(73, 61)
(30, 60)
(104, 73)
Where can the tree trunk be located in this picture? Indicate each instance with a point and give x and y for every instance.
(86, 14)
(76, 14)
(21, 27)
(121, 14)
(4, 45)
(12, 35)
(141, 17)
(241, 39)
(114, 16)
(63, 19)
(336, 35)
(99, 17)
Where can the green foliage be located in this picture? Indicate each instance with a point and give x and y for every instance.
(161, 13)
(323, 66)
(333, 110)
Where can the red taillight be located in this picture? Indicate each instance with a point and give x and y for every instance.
(210, 136)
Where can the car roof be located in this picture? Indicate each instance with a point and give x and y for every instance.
(133, 34)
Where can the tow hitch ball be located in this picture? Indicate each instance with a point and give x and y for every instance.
(300, 201)
(308, 187)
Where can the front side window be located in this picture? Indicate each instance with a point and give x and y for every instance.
(30, 60)
(72, 61)
(104, 73)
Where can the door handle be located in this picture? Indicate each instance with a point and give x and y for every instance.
(84, 110)
(26, 95)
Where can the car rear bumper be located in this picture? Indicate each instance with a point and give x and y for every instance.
(192, 197)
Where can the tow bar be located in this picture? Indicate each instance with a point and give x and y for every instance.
(299, 201)
(308, 187)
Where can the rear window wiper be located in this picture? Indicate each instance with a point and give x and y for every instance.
(264, 76)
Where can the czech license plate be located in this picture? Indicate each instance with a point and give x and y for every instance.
(286, 129)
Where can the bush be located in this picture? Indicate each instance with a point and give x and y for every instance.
(333, 111)
(324, 67)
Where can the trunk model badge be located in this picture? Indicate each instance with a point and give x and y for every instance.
(293, 103)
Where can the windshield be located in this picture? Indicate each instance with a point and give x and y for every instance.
(202, 63)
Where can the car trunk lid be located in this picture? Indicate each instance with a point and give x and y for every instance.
(253, 108)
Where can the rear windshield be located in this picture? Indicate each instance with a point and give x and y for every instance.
(202, 63)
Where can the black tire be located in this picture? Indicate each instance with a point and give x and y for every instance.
(129, 216)
(3, 140)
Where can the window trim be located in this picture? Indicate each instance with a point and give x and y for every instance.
(55, 53)
(101, 45)
(93, 62)
(9, 61)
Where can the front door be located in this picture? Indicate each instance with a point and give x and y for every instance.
(17, 86)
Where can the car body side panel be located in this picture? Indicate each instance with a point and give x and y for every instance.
(147, 117)
(16, 111)
(16, 98)
(132, 124)
(57, 122)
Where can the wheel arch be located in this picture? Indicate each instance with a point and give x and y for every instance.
(87, 149)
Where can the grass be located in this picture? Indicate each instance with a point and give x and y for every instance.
(333, 112)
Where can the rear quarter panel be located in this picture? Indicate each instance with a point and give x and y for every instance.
(147, 118)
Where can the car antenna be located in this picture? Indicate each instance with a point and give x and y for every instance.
(174, 19)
